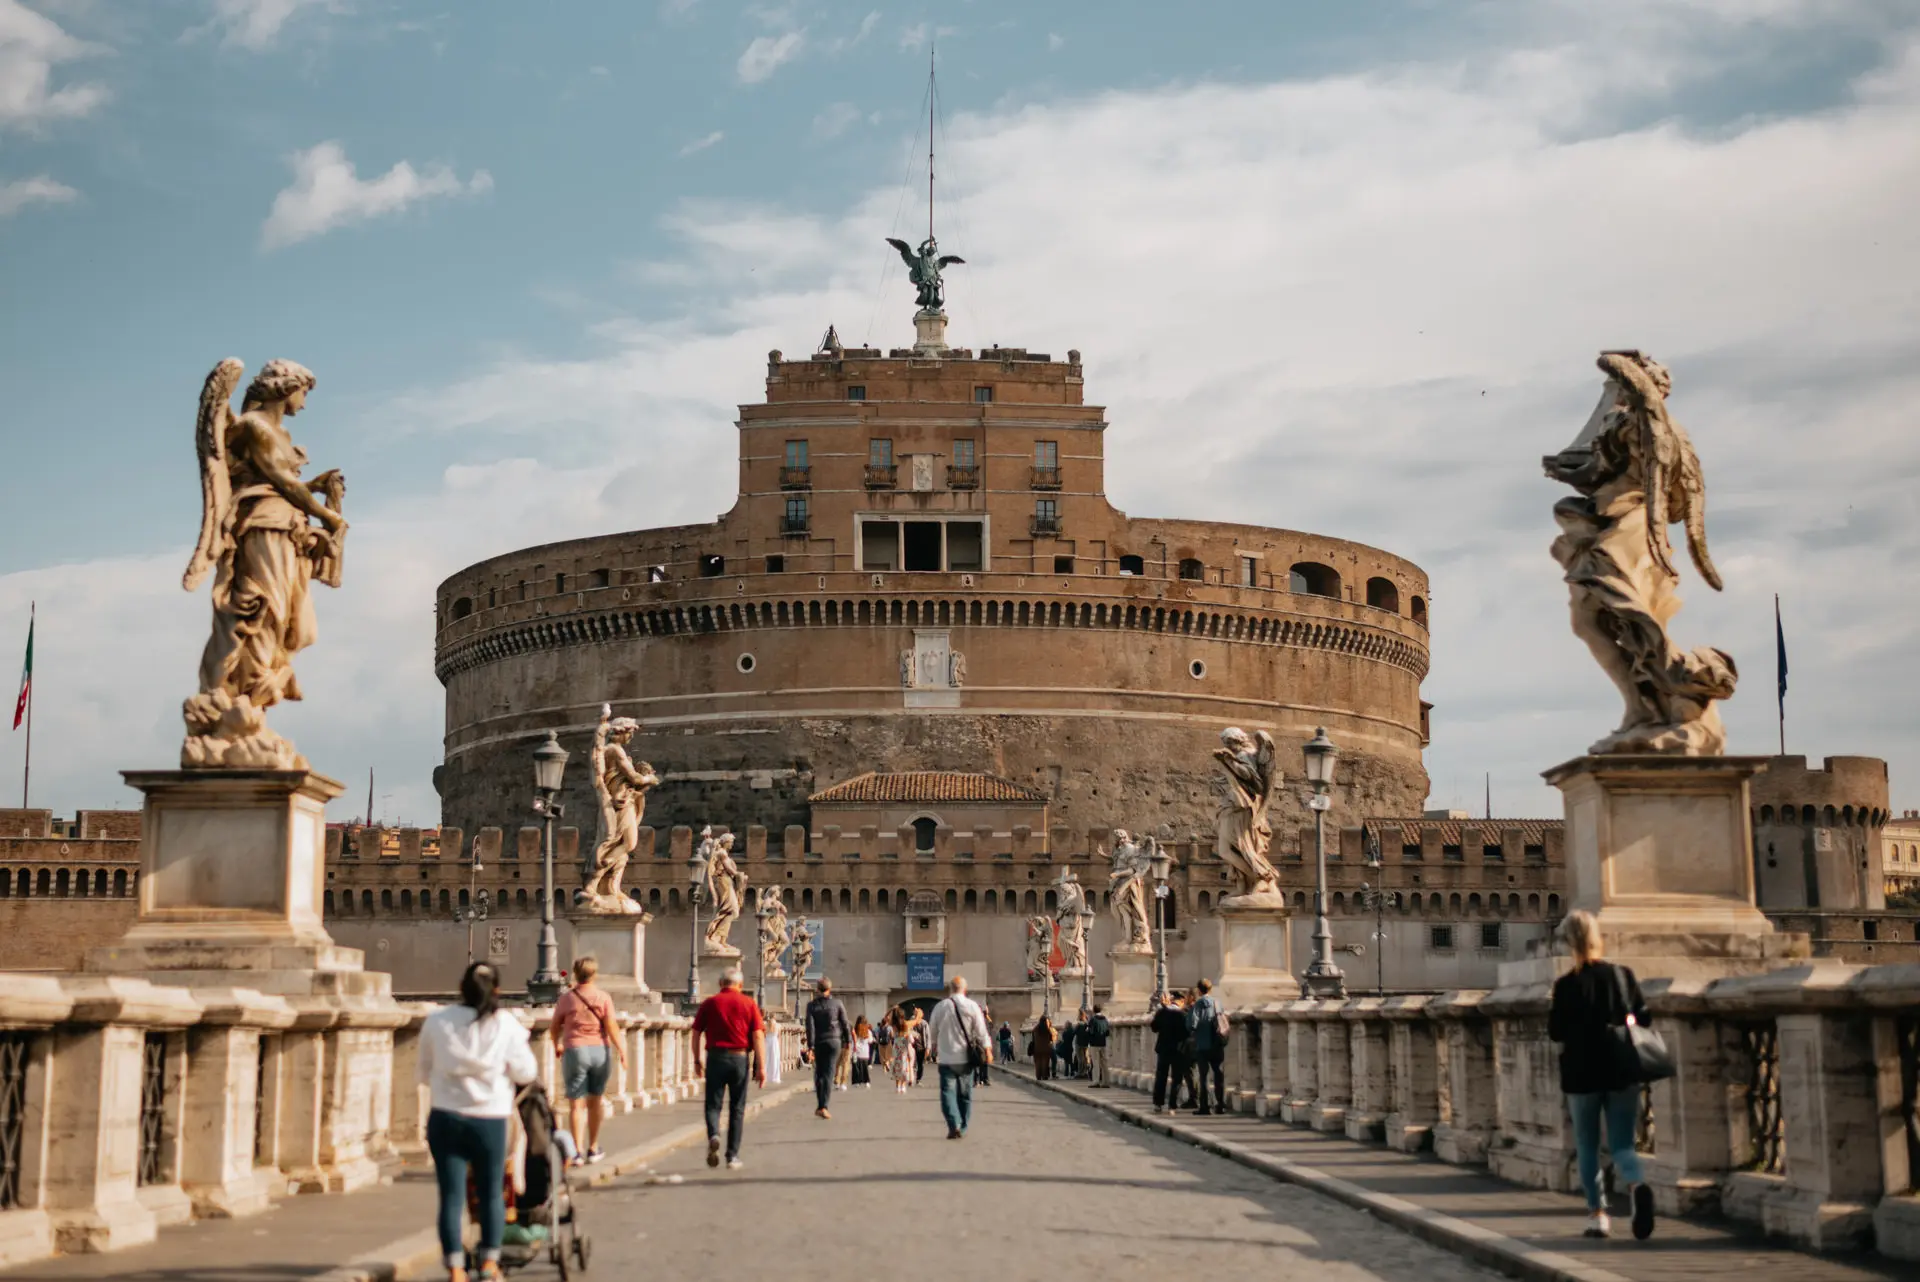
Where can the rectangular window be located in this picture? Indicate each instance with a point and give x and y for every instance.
(1047, 510)
(1451, 850)
(1046, 454)
(922, 546)
(879, 453)
(857, 392)
(1440, 938)
(963, 453)
(879, 545)
(1249, 572)
(796, 518)
(796, 453)
(983, 396)
(1490, 934)
(776, 564)
(1063, 565)
(963, 546)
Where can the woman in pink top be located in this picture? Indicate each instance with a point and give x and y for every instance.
(586, 1037)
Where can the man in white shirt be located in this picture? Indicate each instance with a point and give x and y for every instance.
(956, 1025)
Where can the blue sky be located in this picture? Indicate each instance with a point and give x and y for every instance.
(1336, 267)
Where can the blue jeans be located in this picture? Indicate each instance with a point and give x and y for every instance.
(1621, 1109)
(456, 1140)
(956, 1096)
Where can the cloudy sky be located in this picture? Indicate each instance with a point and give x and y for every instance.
(1338, 268)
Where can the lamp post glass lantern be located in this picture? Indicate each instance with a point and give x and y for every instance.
(1162, 870)
(1378, 898)
(1323, 978)
(1086, 968)
(696, 882)
(549, 770)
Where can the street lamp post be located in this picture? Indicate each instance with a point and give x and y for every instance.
(549, 767)
(1377, 897)
(696, 883)
(1086, 968)
(1323, 978)
(1162, 870)
(473, 877)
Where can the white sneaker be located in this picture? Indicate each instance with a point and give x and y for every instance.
(734, 1164)
(1598, 1225)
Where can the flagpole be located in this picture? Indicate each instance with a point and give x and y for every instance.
(26, 769)
(1780, 653)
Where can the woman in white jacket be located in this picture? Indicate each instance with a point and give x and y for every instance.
(471, 1057)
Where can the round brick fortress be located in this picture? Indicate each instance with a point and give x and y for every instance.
(922, 572)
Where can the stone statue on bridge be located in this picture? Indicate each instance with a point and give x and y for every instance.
(1251, 778)
(724, 886)
(1637, 473)
(622, 790)
(266, 535)
(774, 935)
(1070, 920)
(1039, 948)
(1127, 892)
(802, 936)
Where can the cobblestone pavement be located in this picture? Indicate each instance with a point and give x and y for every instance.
(1040, 1189)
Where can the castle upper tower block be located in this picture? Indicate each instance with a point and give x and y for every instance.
(922, 572)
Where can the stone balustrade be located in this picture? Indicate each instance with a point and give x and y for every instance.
(127, 1105)
(1795, 1105)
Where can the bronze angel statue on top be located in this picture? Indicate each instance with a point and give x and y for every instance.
(1637, 474)
(266, 535)
(924, 268)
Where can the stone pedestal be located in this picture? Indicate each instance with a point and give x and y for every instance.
(930, 332)
(618, 942)
(1660, 848)
(1072, 990)
(232, 869)
(773, 997)
(1256, 955)
(1132, 982)
(714, 965)
(1037, 1000)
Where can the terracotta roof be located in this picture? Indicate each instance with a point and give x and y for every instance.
(926, 787)
(1533, 832)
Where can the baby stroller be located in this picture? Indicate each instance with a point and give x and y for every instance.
(548, 1202)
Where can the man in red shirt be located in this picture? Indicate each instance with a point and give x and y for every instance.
(735, 1038)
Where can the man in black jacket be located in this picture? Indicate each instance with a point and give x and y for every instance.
(827, 1032)
(1099, 1028)
(1169, 1027)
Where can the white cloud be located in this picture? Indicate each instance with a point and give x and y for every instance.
(30, 47)
(834, 120)
(257, 24)
(767, 54)
(915, 36)
(713, 139)
(1362, 304)
(326, 193)
(39, 190)
(1055, 42)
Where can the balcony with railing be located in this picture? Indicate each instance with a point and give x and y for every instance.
(1046, 478)
(1045, 527)
(794, 525)
(796, 478)
(963, 478)
(881, 476)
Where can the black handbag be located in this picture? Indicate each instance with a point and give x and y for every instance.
(1640, 1053)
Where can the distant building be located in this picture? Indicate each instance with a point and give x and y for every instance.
(1900, 854)
(1817, 834)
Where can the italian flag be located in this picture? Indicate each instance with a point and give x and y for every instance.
(26, 679)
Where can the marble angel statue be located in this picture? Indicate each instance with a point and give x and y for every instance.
(1250, 779)
(1637, 474)
(1070, 920)
(265, 535)
(802, 959)
(622, 790)
(724, 888)
(775, 938)
(1128, 893)
(1039, 948)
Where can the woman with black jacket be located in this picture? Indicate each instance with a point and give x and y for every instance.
(1591, 1003)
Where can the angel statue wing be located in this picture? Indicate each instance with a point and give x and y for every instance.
(1687, 499)
(1675, 488)
(216, 486)
(948, 260)
(906, 251)
(1264, 760)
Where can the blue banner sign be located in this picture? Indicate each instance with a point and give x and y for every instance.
(927, 970)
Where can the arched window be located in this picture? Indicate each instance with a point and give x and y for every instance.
(866, 899)
(653, 897)
(971, 901)
(881, 899)
(1192, 569)
(44, 883)
(1382, 595)
(1300, 901)
(520, 898)
(326, 902)
(1132, 565)
(100, 882)
(1807, 815)
(366, 903)
(462, 607)
(923, 834)
(1766, 814)
(806, 899)
(83, 884)
(1420, 611)
(846, 900)
(673, 898)
(1533, 903)
(23, 884)
(465, 902)
(1052, 901)
(386, 901)
(406, 901)
(1030, 902)
(993, 901)
(63, 883)
(446, 903)
(1339, 903)
(1206, 902)
(1310, 578)
(1553, 905)
(952, 901)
